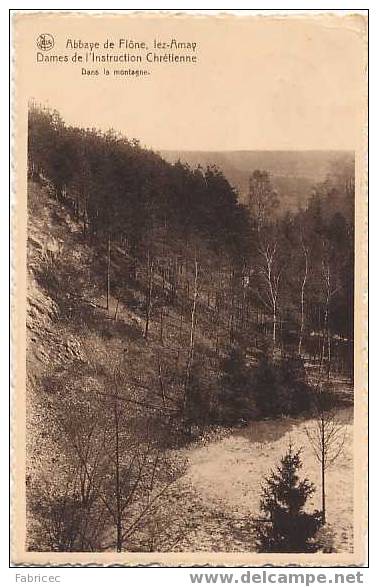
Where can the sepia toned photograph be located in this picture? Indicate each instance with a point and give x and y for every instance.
(190, 236)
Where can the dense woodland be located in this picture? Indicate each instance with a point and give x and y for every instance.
(246, 311)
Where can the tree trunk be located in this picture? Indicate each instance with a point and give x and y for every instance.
(181, 320)
(192, 334)
(323, 449)
(108, 278)
(329, 353)
(117, 476)
(327, 279)
(274, 326)
(304, 280)
(161, 383)
(116, 310)
(161, 325)
(149, 296)
(85, 218)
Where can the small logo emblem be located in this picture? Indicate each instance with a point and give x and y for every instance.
(45, 42)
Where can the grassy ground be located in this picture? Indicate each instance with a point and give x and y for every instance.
(227, 476)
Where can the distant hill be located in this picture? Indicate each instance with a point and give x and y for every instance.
(293, 173)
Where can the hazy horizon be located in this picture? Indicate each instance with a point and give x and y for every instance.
(292, 150)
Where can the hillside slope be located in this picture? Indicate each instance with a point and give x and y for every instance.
(75, 346)
(79, 354)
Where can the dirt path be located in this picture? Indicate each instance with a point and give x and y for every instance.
(227, 475)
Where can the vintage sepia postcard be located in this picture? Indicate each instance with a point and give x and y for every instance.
(190, 281)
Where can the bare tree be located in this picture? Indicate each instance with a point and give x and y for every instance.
(67, 502)
(303, 287)
(162, 315)
(262, 198)
(192, 334)
(108, 275)
(271, 275)
(150, 269)
(326, 437)
(113, 471)
(329, 290)
(137, 475)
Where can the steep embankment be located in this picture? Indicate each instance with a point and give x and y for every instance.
(71, 338)
(74, 344)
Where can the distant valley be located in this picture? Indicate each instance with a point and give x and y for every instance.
(293, 173)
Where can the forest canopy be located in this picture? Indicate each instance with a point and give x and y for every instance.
(122, 188)
(291, 274)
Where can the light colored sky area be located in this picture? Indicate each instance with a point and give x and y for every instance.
(258, 84)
